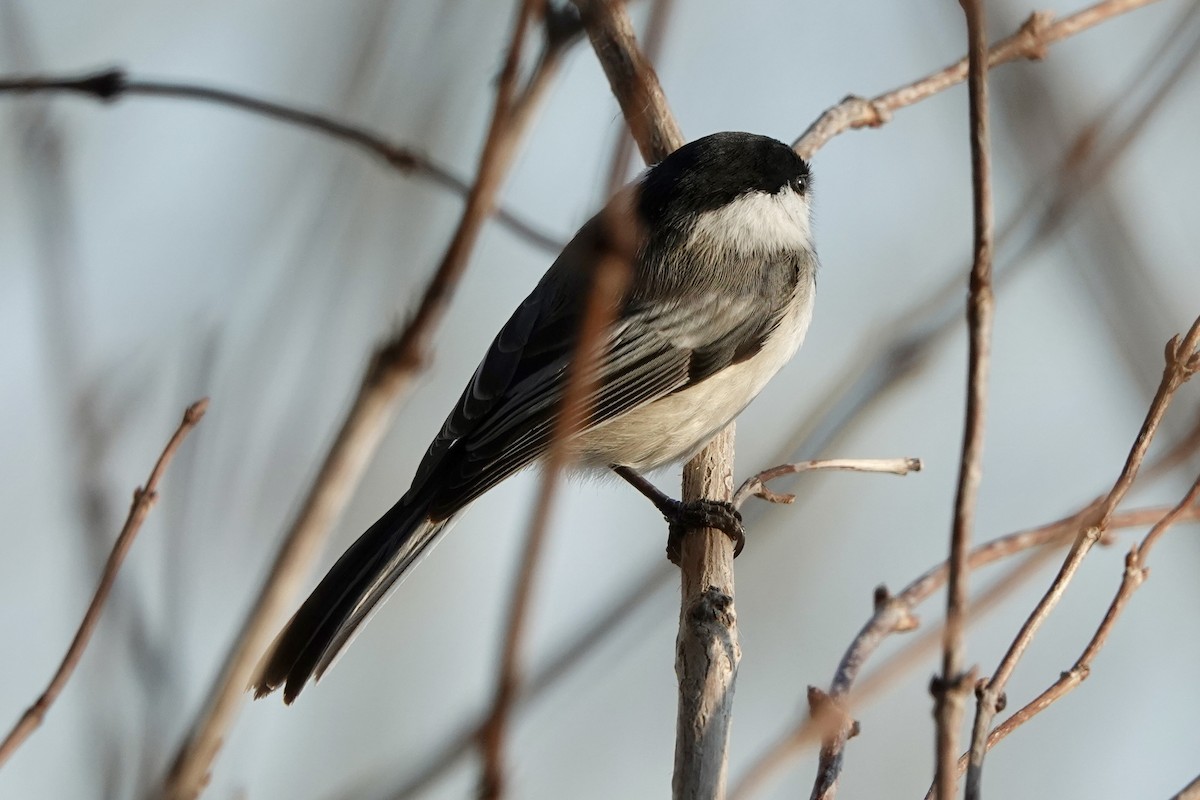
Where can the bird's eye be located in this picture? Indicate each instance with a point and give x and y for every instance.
(799, 184)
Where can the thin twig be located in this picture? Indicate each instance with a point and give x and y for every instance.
(756, 485)
(951, 687)
(1134, 575)
(895, 614)
(1189, 792)
(392, 369)
(144, 498)
(1182, 361)
(111, 85)
(1030, 42)
(609, 280)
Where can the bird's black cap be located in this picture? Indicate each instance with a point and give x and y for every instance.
(710, 172)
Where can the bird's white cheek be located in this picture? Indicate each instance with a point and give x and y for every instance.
(757, 222)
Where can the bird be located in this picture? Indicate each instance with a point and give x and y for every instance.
(720, 295)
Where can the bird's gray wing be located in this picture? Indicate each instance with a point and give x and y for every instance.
(505, 417)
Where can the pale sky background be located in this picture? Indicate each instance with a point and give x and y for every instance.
(154, 251)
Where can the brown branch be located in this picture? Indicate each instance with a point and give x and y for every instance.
(392, 369)
(632, 79)
(1182, 361)
(1189, 792)
(951, 687)
(111, 85)
(610, 278)
(1134, 575)
(707, 650)
(144, 498)
(895, 614)
(1030, 42)
(756, 485)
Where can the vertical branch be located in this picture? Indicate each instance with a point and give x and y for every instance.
(707, 652)
(393, 367)
(951, 687)
(610, 278)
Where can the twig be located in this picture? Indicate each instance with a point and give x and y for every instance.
(144, 498)
(895, 614)
(111, 85)
(1182, 361)
(392, 369)
(609, 280)
(755, 485)
(1134, 575)
(1189, 792)
(1030, 42)
(951, 687)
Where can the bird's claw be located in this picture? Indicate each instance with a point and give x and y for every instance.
(702, 513)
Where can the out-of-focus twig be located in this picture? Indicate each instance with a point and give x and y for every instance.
(143, 500)
(1189, 792)
(950, 688)
(393, 366)
(609, 280)
(756, 485)
(111, 85)
(1037, 33)
(1182, 361)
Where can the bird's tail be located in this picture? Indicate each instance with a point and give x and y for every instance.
(345, 598)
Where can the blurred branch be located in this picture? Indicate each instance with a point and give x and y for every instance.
(609, 280)
(951, 687)
(144, 498)
(393, 366)
(755, 485)
(1182, 361)
(1030, 42)
(111, 85)
(1189, 792)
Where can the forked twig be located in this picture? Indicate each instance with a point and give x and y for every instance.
(144, 498)
(1182, 362)
(1030, 42)
(756, 485)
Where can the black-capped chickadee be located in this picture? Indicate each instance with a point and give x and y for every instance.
(721, 293)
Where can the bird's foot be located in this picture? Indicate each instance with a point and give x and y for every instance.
(697, 514)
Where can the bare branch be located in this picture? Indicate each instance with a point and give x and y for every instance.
(1182, 361)
(111, 85)
(895, 614)
(707, 650)
(392, 369)
(611, 276)
(1189, 792)
(755, 485)
(951, 687)
(1134, 575)
(144, 498)
(1030, 42)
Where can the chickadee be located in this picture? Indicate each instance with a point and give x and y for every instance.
(721, 294)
